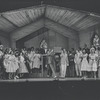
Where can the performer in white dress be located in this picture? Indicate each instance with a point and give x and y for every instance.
(14, 62)
(84, 64)
(11, 64)
(22, 67)
(93, 62)
(36, 60)
(64, 63)
(77, 61)
(16, 66)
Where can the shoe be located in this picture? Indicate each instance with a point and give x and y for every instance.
(16, 77)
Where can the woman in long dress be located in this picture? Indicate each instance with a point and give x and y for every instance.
(64, 63)
(77, 61)
(84, 64)
(36, 61)
(22, 67)
(11, 64)
(93, 62)
(16, 67)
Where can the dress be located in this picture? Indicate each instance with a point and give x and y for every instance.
(16, 64)
(84, 64)
(36, 61)
(22, 66)
(10, 63)
(6, 62)
(93, 62)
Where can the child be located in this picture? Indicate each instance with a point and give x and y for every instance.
(84, 64)
(13, 64)
(93, 62)
(36, 61)
(22, 67)
(10, 64)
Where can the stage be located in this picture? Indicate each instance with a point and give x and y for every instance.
(48, 80)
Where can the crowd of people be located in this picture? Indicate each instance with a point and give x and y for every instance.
(18, 63)
(15, 63)
(83, 62)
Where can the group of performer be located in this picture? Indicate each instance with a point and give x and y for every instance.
(83, 62)
(21, 63)
(87, 62)
(16, 64)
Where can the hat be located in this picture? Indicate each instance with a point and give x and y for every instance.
(92, 49)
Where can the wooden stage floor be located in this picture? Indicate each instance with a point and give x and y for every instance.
(50, 79)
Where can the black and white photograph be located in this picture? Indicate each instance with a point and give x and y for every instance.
(49, 50)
